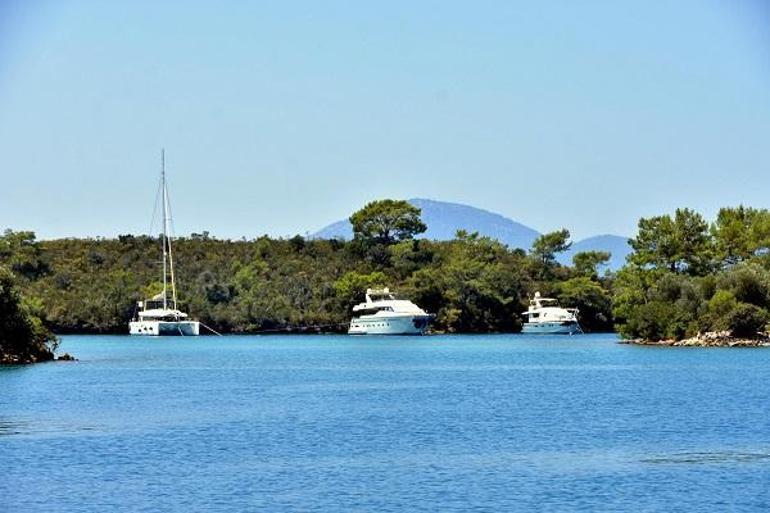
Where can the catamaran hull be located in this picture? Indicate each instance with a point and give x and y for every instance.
(164, 328)
(551, 328)
(401, 325)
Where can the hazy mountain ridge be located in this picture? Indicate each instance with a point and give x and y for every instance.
(445, 218)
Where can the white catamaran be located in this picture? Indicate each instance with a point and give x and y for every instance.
(160, 315)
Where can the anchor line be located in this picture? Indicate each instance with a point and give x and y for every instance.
(212, 330)
(284, 329)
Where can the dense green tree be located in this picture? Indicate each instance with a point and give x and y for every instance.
(747, 320)
(21, 254)
(692, 279)
(586, 263)
(591, 299)
(547, 246)
(23, 338)
(732, 233)
(351, 286)
(678, 244)
(475, 286)
(740, 233)
(408, 256)
(748, 283)
(387, 221)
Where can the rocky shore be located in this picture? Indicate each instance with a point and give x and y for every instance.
(18, 359)
(709, 339)
(15, 359)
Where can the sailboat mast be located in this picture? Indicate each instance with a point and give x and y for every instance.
(165, 223)
(167, 236)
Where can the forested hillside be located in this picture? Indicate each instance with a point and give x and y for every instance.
(684, 276)
(472, 283)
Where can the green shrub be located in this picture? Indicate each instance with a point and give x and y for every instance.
(747, 320)
(718, 310)
(650, 321)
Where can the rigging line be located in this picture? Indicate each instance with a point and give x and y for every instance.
(212, 330)
(170, 254)
(300, 328)
(170, 218)
(171, 266)
(172, 228)
(155, 208)
(285, 328)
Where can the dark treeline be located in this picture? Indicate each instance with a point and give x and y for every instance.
(472, 283)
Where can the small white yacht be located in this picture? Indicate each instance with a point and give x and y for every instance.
(545, 316)
(160, 314)
(383, 314)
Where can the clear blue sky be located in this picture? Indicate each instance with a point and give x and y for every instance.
(280, 117)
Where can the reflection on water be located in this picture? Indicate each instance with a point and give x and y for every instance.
(709, 457)
(42, 427)
(11, 427)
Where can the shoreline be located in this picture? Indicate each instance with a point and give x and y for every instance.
(708, 339)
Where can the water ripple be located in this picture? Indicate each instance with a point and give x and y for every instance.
(705, 458)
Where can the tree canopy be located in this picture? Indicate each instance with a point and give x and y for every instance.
(741, 233)
(387, 222)
(687, 277)
(587, 263)
(23, 338)
(548, 245)
(680, 243)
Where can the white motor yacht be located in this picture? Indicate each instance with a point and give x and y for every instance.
(383, 314)
(160, 314)
(545, 316)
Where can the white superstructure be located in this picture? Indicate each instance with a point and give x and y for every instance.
(547, 317)
(383, 314)
(160, 314)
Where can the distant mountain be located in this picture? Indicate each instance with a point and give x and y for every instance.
(444, 219)
(615, 244)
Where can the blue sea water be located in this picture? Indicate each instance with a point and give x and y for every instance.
(435, 424)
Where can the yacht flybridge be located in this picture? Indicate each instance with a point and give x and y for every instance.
(160, 314)
(545, 316)
(383, 314)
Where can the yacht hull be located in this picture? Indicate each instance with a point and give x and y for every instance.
(393, 325)
(550, 328)
(164, 328)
